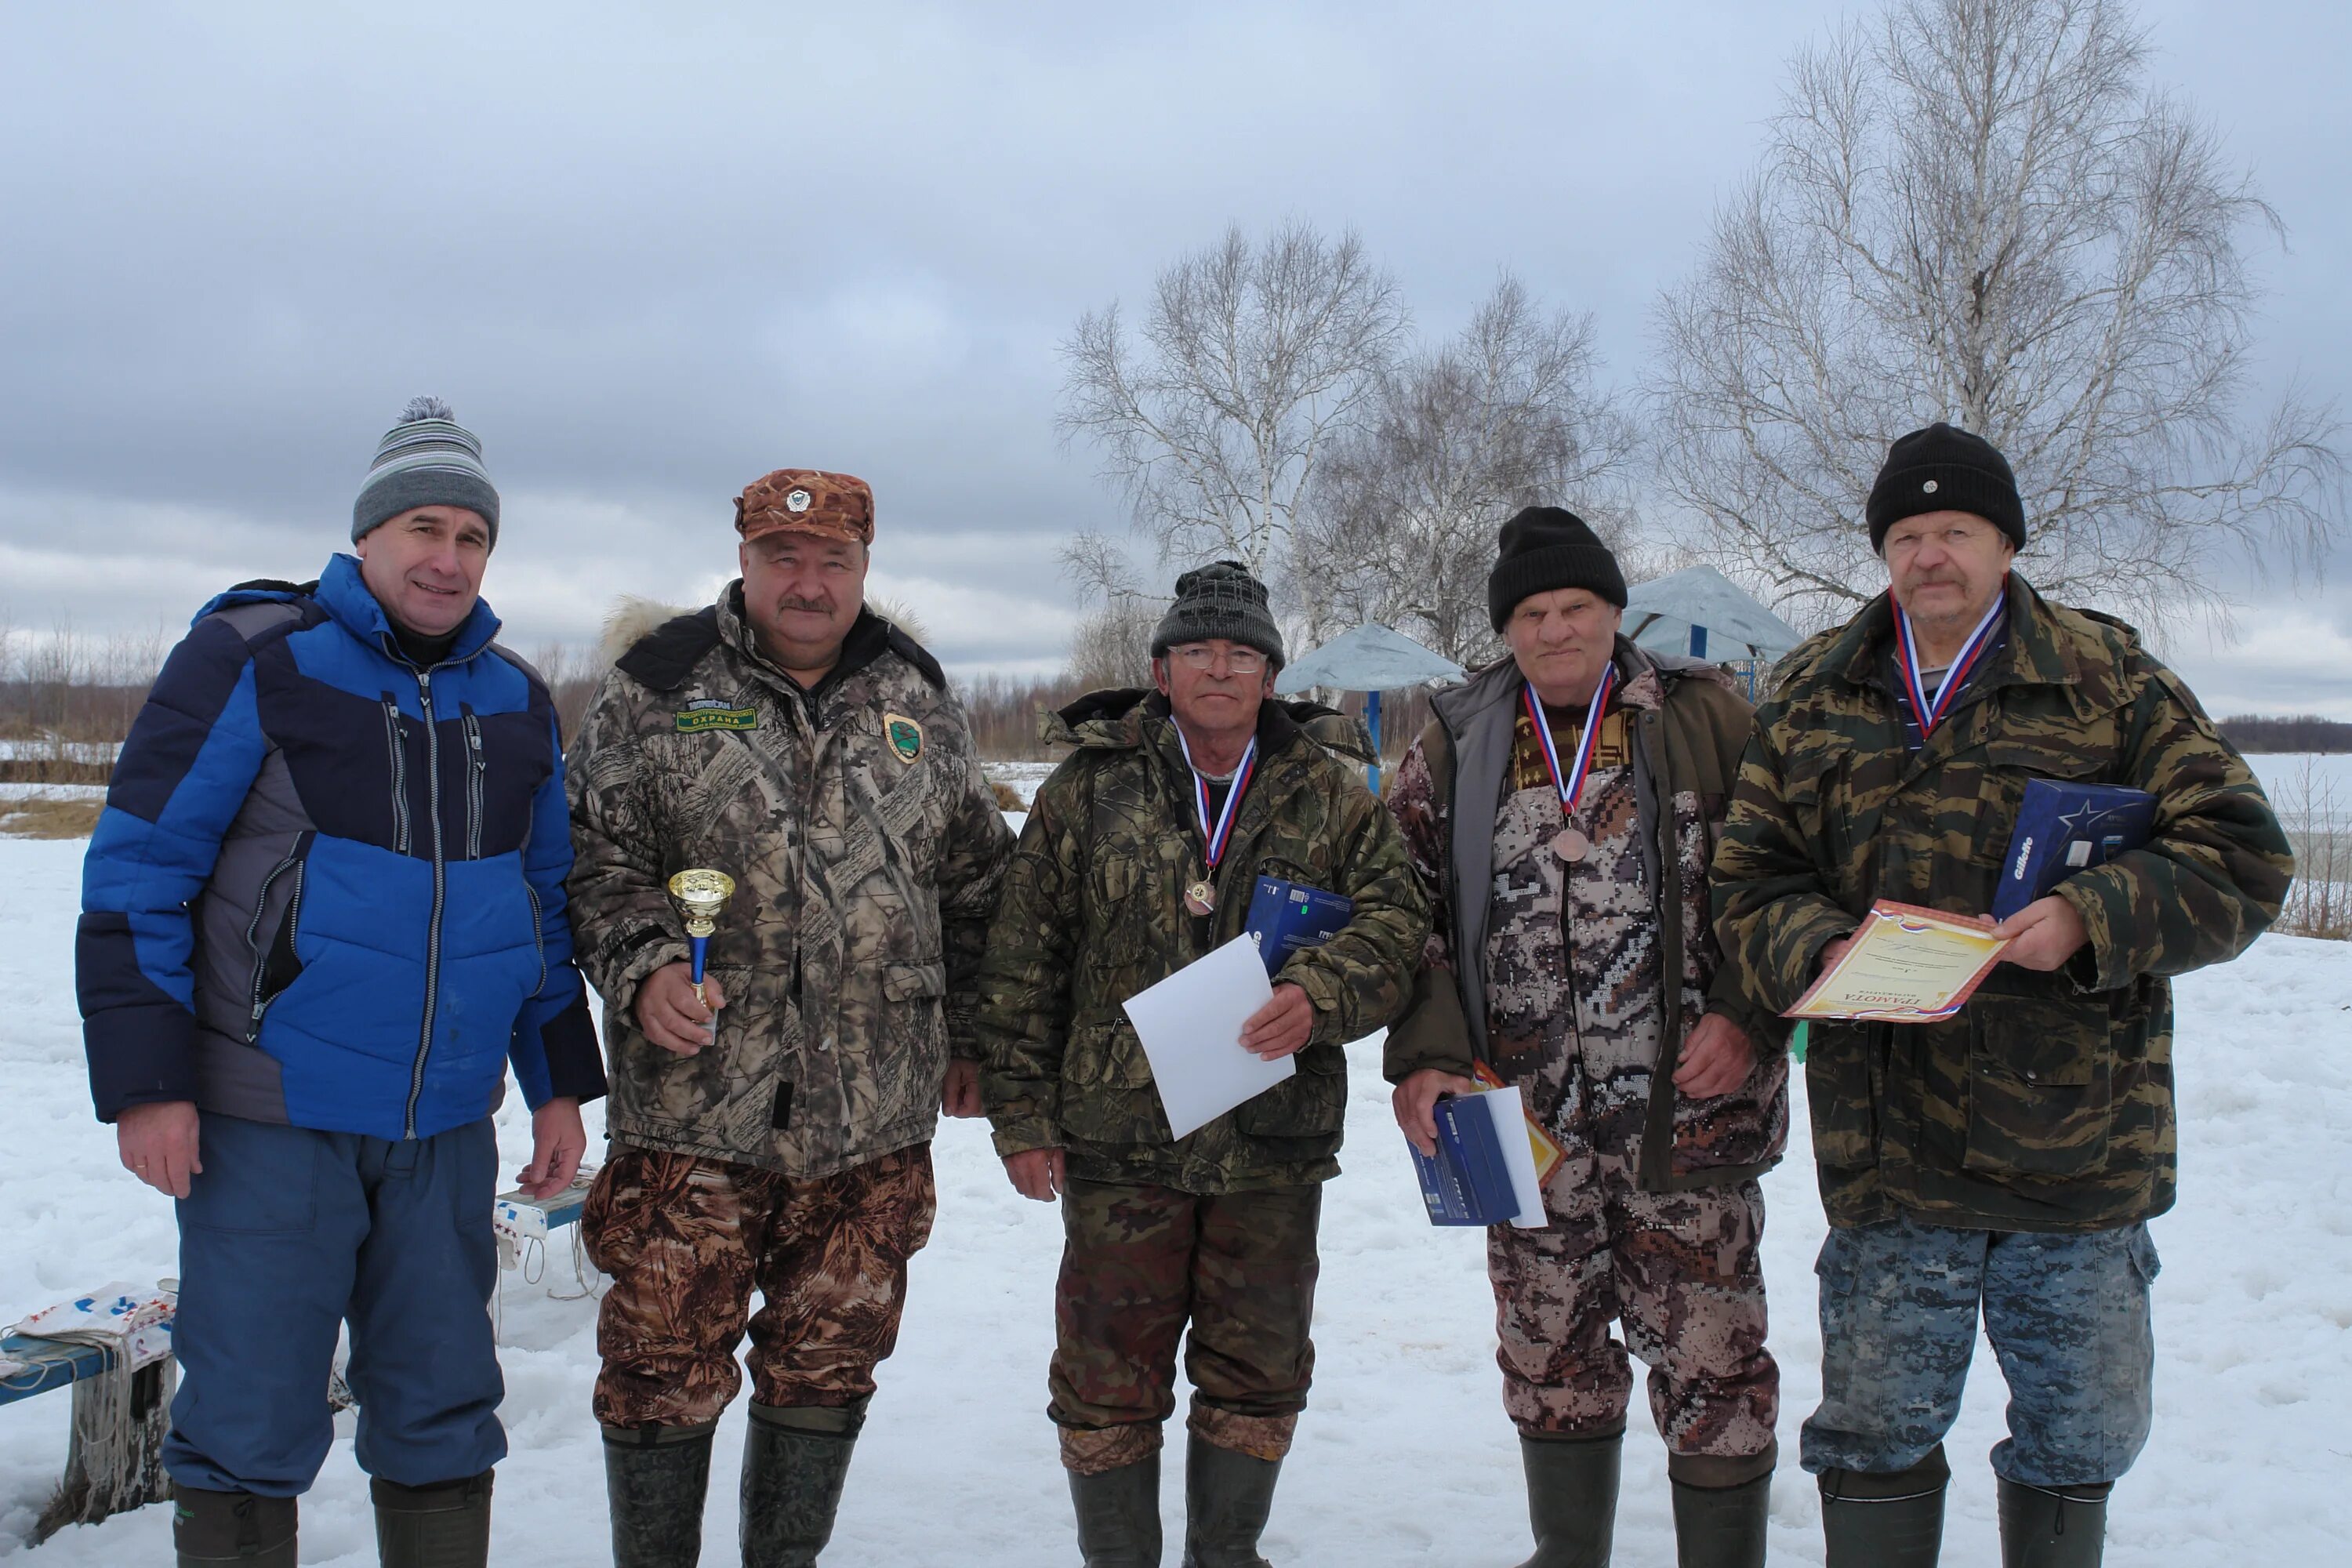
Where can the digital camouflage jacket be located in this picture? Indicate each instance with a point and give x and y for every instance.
(1093, 913)
(866, 850)
(2046, 1103)
(1580, 984)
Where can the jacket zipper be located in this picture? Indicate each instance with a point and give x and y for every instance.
(433, 931)
(475, 765)
(252, 936)
(399, 776)
(537, 936)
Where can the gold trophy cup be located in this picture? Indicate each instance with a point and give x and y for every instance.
(701, 893)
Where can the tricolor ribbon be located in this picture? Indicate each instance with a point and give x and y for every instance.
(1572, 785)
(1213, 838)
(1931, 713)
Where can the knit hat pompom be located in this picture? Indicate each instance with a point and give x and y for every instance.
(427, 458)
(1220, 600)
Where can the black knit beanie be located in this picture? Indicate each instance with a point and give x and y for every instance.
(1220, 600)
(1548, 547)
(1943, 470)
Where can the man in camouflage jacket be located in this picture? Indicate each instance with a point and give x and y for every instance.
(811, 752)
(2004, 1160)
(1573, 956)
(1111, 892)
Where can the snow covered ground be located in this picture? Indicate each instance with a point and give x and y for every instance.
(1404, 1456)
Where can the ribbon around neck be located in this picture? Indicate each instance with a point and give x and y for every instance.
(1571, 784)
(1931, 713)
(1214, 836)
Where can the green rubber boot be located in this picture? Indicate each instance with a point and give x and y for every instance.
(1118, 1515)
(446, 1525)
(2052, 1527)
(1227, 1499)
(251, 1531)
(1722, 1527)
(1886, 1522)
(1572, 1499)
(654, 1478)
(795, 1464)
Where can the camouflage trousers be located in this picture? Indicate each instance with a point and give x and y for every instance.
(687, 1240)
(1137, 1262)
(2067, 1315)
(1681, 1272)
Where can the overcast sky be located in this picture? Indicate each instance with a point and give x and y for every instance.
(649, 258)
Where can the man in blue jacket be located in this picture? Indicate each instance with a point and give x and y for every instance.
(323, 911)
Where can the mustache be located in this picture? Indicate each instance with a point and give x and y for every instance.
(821, 604)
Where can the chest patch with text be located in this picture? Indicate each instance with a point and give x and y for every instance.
(710, 713)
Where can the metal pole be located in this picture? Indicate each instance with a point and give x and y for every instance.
(1373, 718)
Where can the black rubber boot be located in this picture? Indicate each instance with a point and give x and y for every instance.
(1886, 1520)
(1118, 1515)
(445, 1525)
(654, 1478)
(1722, 1527)
(1227, 1497)
(232, 1527)
(2052, 1527)
(1572, 1499)
(796, 1462)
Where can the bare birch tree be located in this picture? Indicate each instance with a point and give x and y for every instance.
(1251, 360)
(1400, 528)
(1977, 211)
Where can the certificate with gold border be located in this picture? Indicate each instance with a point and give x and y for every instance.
(1908, 966)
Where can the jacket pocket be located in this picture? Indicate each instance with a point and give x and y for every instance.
(2041, 1082)
(1839, 1090)
(1107, 1092)
(277, 965)
(1310, 1103)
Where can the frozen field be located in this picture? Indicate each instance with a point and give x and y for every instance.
(1404, 1456)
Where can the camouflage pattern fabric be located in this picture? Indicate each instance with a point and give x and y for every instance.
(1681, 1270)
(2047, 1103)
(2068, 1316)
(1093, 913)
(687, 1240)
(1575, 958)
(806, 501)
(867, 849)
(1138, 1261)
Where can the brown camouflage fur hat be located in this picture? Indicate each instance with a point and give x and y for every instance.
(806, 501)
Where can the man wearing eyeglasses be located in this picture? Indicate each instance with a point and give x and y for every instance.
(1140, 856)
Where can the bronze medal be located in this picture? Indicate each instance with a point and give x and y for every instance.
(1571, 845)
(1201, 897)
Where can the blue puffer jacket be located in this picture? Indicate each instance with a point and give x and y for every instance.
(328, 887)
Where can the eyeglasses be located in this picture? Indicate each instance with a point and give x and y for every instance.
(1201, 657)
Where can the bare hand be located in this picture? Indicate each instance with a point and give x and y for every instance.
(2042, 935)
(1831, 953)
(959, 1095)
(1716, 1058)
(1415, 1102)
(670, 1014)
(1040, 1173)
(556, 1142)
(157, 1143)
(1282, 1027)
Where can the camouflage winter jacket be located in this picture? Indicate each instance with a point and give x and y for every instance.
(1587, 1010)
(2047, 1104)
(1093, 914)
(866, 850)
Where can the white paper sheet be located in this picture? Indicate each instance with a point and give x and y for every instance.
(1518, 1154)
(1191, 1026)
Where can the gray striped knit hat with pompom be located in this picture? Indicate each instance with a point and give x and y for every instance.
(426, 459)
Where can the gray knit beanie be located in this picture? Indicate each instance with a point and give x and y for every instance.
(1220, 600)
(426, 459)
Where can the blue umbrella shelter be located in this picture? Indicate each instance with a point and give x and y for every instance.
(1698, 609)
(1370, 659)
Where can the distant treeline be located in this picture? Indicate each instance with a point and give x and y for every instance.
(2307, 733)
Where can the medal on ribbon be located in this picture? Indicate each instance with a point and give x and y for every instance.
(1567, 843)
(1915, 687)
(1200, 896)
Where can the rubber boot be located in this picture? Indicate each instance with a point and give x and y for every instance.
(446, 1525)
(1227, 1497)
(232, 1527)
(2052, 1527)
(795, 1463)
(654, 1478)
(1572, 1499)
(1118, 1515)
(1722, 1527)
(1886, 1520)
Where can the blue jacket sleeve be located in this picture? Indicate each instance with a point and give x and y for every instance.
(554, 1051)
(191, 758)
